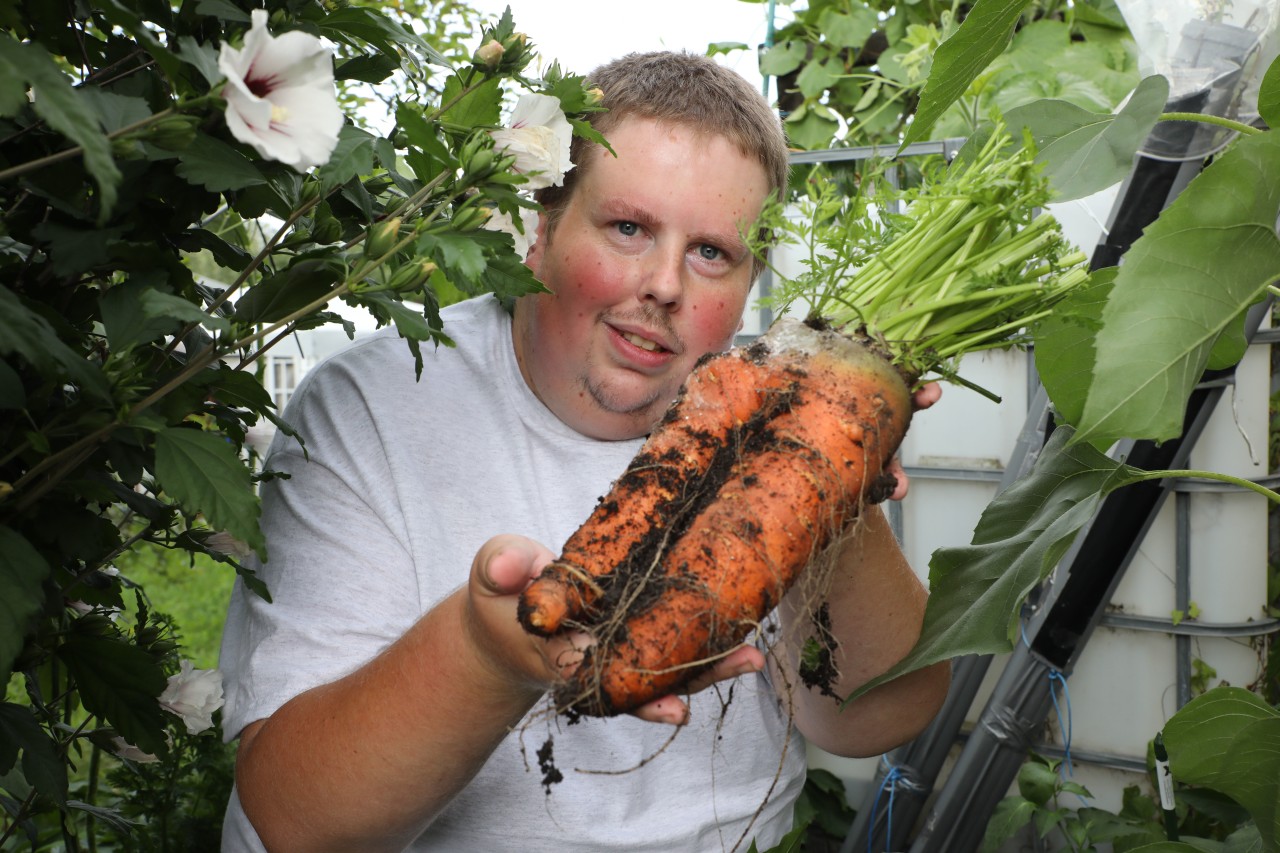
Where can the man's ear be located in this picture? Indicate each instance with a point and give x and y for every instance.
(533, 258)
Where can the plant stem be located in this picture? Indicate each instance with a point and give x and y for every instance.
(1274, 497)
(1229, 124)
(67, 154)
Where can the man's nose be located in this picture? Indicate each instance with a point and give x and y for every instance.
(663, 282)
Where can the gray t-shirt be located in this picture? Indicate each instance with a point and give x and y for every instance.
(405, 480)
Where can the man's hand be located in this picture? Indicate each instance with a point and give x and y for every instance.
(923, 398)
(502, 568)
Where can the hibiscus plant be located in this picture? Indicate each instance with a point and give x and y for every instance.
(179, 192)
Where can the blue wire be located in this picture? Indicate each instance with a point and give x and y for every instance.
(890, 781)
(1055, 676)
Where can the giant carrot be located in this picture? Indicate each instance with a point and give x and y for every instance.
(770, 450)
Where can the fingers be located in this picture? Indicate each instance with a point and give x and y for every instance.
(926, 395)
(903, 482)
(506, 564)
(672, 710)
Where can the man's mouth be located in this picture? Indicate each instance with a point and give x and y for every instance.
(643, 343)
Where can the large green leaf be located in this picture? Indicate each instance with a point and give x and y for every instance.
(1082, 151)
(202, 471)
(216, 166)
(121, 683)
(1269, 95)
(1064, 344)
(1182, 286)
(41, 765)
(22, 574)
(375, 28)
(351, 157)
(960, 59)
(1229, 740)
(67, 111)
(976, 591)
(156, 304)
(286, 293)
(478, 107)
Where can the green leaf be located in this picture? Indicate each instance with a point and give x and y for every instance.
(977, 590)
(1064, 344)
(459, 254)
(811, 130)
(817, 77)
(783, 58)
(13, 86)
(41, 765)
(286, 293)
(1084, 152)
(202, 57)
(65, 110)
(126, 326)
(375, 28)
(480, 107)
(849, 30)
(372, 68)
(1011, 814)
(222, 9)
(423, 134)
(156, 304)
(216, 166)
(120, 682)
(959, 60)
(22, 574)
(26, 333)
(1167, 847)
(202, 471)
(1229, 740)
(352, 157)
(1269, 95)
(1183, 283)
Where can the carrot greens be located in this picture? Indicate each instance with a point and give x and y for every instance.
(966, 261)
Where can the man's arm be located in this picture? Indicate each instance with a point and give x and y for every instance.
(368, 761)
(875, 604)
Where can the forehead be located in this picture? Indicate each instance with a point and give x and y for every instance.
(657, 158)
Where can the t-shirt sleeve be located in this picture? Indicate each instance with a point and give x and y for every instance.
(342, 584)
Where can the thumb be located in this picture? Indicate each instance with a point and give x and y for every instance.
(507, 563)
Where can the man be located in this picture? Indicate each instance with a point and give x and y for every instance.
(380, 705)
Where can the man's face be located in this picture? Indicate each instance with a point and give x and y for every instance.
(648, 273)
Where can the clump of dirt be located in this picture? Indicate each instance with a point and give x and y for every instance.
(817, 666)
(551, 774)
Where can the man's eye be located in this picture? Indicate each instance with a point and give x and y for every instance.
(628, 229)
(709, 252)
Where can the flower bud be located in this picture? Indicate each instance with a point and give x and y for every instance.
(310, 192)
(480, 166)
(595, 95)
(127, 148)
(489, 54)
(173, 132)
(382, 237)
(412, 275)
(471, 218)
(6, 489)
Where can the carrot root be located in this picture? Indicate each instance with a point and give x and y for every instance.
(681, 561)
